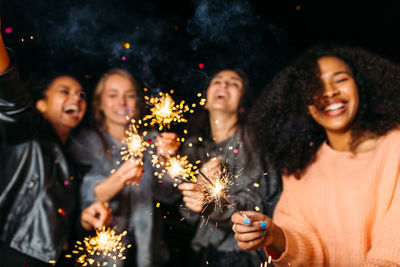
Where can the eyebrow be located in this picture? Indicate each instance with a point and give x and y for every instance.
(63, 87)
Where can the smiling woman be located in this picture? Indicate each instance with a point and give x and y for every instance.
(63, 104)
(337, 141)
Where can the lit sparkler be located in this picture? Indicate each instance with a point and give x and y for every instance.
(164, 111)
(216, 190)
(133, 144)
(104, 247)
(179, 167)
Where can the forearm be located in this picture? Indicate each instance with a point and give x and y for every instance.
(109, 188)
(4, 58)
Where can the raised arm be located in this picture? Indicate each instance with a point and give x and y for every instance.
(4, 58)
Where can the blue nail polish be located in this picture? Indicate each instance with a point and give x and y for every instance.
(263, 224)
(246, 221)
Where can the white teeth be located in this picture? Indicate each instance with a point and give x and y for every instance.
(121, 112)
(335, 106)
(221, 95)
(71, 108)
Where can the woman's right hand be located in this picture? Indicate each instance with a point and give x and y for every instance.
(254, 230)
(193, 196)
(130, 172)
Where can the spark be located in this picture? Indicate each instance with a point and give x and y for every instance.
(99, 249)
(133, 144)
(267, 262)
(164, 111)
(217, 187)
(180, 167)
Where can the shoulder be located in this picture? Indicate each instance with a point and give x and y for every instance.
(391, 138)
(85, 144)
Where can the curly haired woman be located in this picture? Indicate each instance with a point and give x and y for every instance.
(332, 121)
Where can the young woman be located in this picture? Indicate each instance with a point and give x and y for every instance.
(38, 184)
(330, 123)
(128, 186)
(226, 142)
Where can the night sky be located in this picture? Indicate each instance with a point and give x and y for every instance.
(177, 44)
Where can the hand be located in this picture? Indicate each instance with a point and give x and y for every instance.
(4, 58)
(254, 230)
(96, 216)
(130, 172)
(167, 144)
(212, 170)
(193, 196)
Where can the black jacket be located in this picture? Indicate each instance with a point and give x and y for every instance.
(38, 191)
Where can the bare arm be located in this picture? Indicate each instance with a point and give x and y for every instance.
(129, 173)
(4, 58)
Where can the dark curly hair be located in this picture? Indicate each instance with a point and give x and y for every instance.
(286, 130)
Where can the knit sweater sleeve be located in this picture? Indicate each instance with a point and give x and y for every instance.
(385, 245)
(303, 245)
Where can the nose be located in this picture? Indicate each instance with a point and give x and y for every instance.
(76, 96)
(330, 90)
(122, 100)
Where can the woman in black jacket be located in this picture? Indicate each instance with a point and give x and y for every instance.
(38, 185)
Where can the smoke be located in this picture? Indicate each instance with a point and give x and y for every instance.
(230, 34)
(162, 48)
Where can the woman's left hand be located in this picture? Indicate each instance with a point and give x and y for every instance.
(167, 144)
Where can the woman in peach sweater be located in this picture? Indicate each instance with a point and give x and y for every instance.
(332, 122)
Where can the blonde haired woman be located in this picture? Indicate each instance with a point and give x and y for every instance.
(128, 186)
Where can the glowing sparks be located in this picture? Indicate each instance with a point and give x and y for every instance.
(104, 247)
(133, 144)
(216, 188)
(164, 111)
(267, 262)
(180, 167)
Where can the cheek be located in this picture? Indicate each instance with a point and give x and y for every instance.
(313, 111)
(132, 103)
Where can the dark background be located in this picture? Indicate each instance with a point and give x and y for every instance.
(169, 39)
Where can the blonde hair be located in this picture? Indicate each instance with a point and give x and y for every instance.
(96, 102)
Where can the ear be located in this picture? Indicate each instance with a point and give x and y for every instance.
(41, 105)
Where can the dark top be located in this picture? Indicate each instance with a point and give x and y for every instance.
(38, 189)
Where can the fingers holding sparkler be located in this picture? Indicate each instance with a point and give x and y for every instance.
(193, 196)
(167, 144)
(210, 171)
(130, 172)
(96, 216)
(254, 230)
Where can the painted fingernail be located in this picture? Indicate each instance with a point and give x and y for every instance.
(263, 224)
(246, 221)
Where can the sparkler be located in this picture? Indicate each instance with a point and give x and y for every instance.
(133, 144)
(164, 111)
(100, 249)
(180, 168)
(217, 188)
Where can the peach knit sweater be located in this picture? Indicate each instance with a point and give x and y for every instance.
(345, 209)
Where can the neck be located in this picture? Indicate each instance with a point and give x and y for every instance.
(223, 126)
(63, 135)
(116, 131)
(343, 142)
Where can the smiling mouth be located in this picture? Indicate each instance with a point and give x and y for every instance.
(122, 112)
(222, 96)
(71, 109)
(333, 107)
